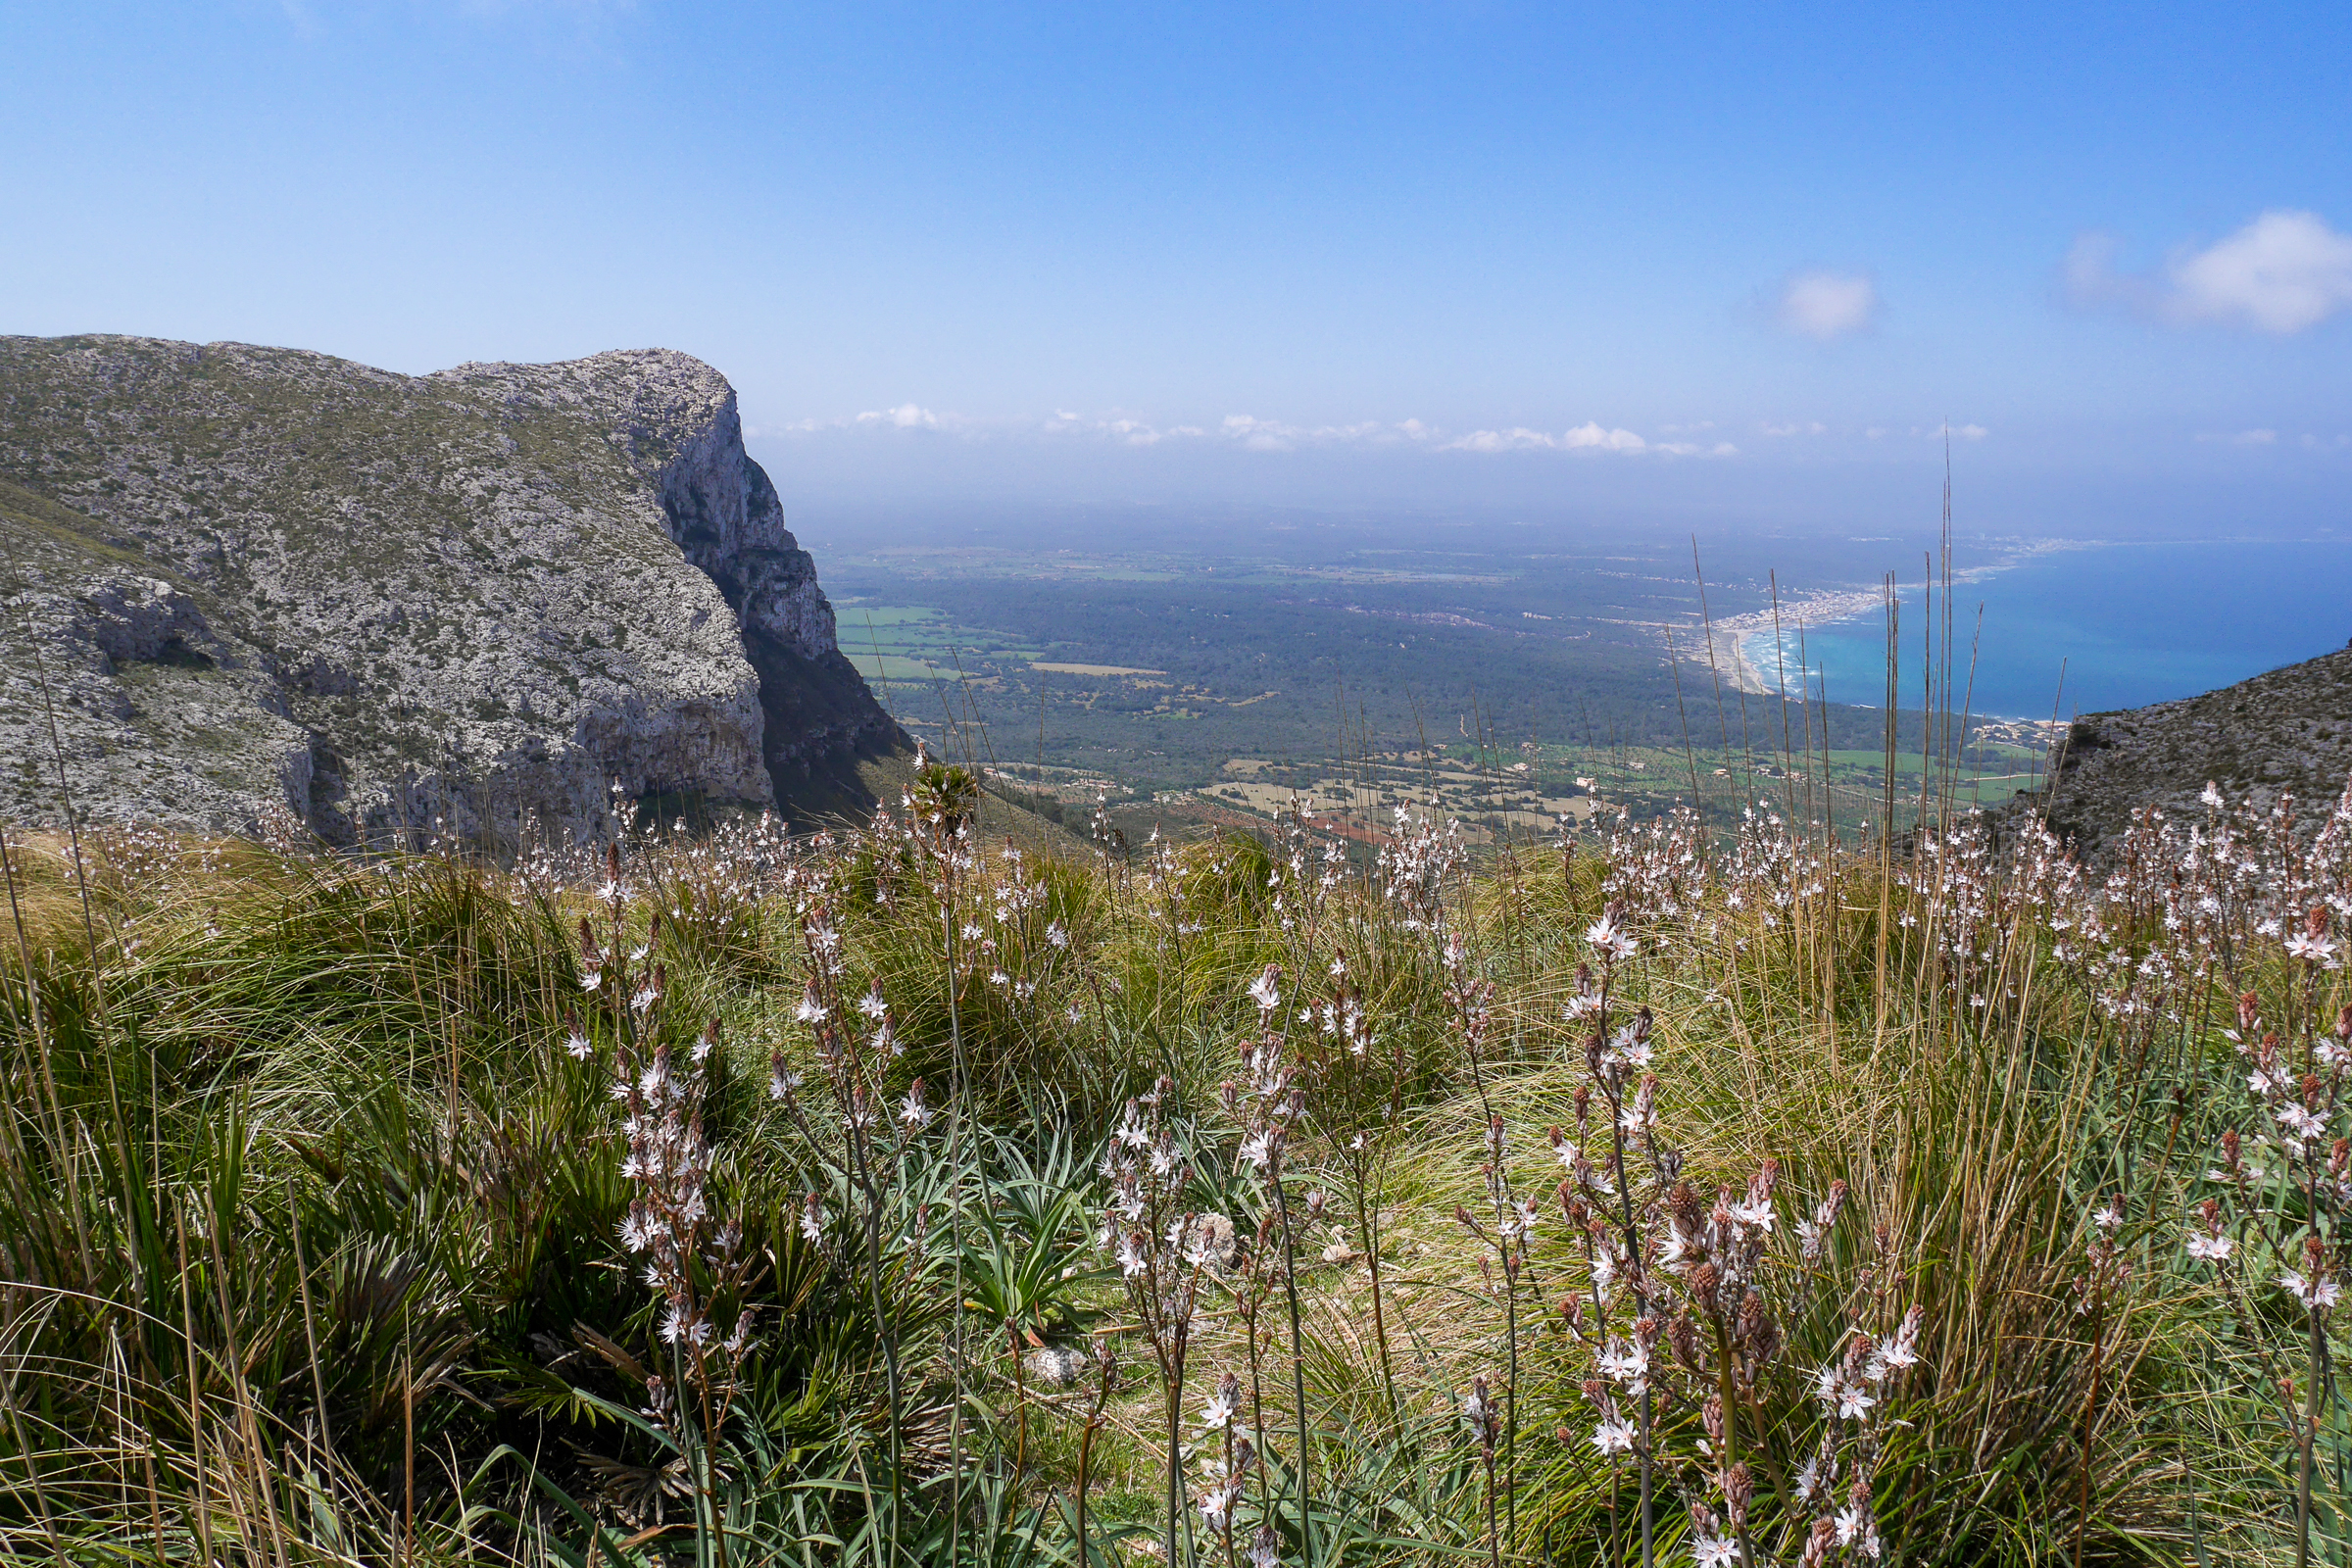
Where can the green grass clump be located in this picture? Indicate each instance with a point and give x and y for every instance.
(865, 1202)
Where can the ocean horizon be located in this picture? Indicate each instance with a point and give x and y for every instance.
(2080, 627)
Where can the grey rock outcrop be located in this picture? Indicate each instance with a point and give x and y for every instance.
(239, 575)
(2288, 732)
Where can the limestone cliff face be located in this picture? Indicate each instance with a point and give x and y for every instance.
(241, 574)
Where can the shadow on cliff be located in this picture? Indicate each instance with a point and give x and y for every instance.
(823, 731)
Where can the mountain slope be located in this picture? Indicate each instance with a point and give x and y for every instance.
(242, 575)
(2287, 732)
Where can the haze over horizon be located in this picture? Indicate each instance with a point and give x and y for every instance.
(1710, 267)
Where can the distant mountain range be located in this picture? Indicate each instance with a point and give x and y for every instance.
(239, 575)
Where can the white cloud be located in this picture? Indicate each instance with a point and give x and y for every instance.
(905, 416)
(1520, 439)
(1826, 306)
(1816, 427)
(2283, 273)
(1250, 433)
(1590, 435)
(1259, 435)
(1970, 432)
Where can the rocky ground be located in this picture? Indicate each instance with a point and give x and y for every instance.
(2285, 732)
(239, 578)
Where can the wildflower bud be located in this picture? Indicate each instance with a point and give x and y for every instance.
(1592, 1387)
(653, 929)
(1738, 1488)
(1556, 1135)
(1757, 1331)
(1461, 1217)
(1641, 1025)
(1819, 1544)
(1704, 1280)
(2343, 1022)
(1571, 1307)
(2249, 1010)
(2230, 1150)
(1710, 1416)
(2315, 920)
(1683, 1205)
(1681, 1335)
(1647, 1330)
(1584, 1105)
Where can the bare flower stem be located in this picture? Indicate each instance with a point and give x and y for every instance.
(1289, 1283)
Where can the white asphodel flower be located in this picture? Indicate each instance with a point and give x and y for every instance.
(1854, 1525)
(2315, 1293)
(2300, 1122)
(1714, 1552)
(2310, 949)
(2210, 1249)
(1217, 1415)
(1615, 1436)
(1626, 1363)
(1609, 939)
(1265, 992)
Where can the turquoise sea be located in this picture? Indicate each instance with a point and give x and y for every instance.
(2128, 623)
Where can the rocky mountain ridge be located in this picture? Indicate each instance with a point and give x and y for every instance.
(242, 575)
(2285, 732)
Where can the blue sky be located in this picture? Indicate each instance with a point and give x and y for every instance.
(1668, 261)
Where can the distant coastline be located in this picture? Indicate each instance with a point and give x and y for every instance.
(1745, 645)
